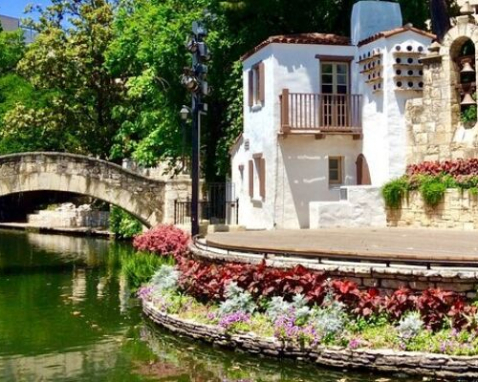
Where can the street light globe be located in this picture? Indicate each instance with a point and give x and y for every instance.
(184, 113)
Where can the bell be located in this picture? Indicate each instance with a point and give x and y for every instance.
(467, 68)
(468, 100)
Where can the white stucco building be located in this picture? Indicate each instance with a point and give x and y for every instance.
(324, 122)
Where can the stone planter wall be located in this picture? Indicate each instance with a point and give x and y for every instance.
(386, 279)
(458, 210)
(412, 363)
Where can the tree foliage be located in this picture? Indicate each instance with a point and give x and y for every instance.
(103, 76)
(65, 64)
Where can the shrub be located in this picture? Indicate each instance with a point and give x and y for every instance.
(237, 300)
(433, 191)
(451, 167)
(399, 303)
(139, 268)
(394, 191)
(410, 326)
(434, 306)
(330, 319)
(163, 240)
(165, 279)
(123, 225)
(207, 281)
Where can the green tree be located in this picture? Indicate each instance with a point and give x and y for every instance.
(66, 63)
(148, 50)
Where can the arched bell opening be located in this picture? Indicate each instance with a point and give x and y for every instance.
(464, 56)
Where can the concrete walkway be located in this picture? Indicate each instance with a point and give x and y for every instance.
(386, 244)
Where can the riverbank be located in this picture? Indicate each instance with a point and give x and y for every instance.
(381, 360)
(76, 231)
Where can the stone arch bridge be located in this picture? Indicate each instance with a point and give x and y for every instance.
(142, 197)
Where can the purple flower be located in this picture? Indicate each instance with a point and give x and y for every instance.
(144, 293)
(354, 344)
(229, 320)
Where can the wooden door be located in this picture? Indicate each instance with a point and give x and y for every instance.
(363, 173)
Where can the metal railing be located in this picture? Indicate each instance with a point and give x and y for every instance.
(216, 213)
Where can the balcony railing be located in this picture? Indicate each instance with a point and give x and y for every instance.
(321, 113)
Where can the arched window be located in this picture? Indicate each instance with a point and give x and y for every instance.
(463, 54)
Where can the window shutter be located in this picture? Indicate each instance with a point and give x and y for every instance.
(251, 178)
(263, 179)
(262, 83)
(251, 87)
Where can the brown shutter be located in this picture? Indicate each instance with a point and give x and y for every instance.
(263, 178)
(251, 178)
(251, 87)
(262, 83)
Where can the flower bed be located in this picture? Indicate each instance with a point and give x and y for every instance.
(304, 310)
(432, 179)
(433, 321)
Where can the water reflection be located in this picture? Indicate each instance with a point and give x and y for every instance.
(66, 315)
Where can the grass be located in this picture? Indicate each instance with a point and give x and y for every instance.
(140, 267)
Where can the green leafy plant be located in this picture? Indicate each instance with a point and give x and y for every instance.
(433, 190)
(123, 225)
(139, 268)
(469, 115)
(394, 191)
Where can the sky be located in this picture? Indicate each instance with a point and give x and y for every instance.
(15, 8)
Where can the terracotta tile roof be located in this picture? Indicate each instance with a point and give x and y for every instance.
(395, 31)
(302, 38)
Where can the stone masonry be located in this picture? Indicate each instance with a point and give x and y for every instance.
(382, 360)
(458, 210)
(143, 197)
(434, 129)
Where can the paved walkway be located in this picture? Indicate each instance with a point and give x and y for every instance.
(394, 244)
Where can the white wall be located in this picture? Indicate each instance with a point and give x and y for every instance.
(384, 143)
(302, 175)
(363, 208)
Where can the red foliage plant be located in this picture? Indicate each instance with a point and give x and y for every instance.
(163, 240)
(435, 305)
(454, 168)
(400, 302)
(207, 282)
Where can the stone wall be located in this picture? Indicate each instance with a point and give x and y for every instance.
(412, 363)
(69, 219)
(139, 195)
(458, 210)
(385, 277)
(434, 129)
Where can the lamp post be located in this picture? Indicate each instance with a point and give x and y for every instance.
(194, 80)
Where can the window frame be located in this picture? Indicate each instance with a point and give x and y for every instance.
(257, 85)
(335, 75)
(339, 169)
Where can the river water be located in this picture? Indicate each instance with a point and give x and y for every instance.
(66, 315)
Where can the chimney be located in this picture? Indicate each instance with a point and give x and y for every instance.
(372, 17)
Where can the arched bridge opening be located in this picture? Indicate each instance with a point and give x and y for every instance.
(140, 196)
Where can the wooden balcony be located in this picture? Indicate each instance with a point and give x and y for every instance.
(321, 114)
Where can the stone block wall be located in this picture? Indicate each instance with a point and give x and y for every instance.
(458, 210)
(366, 275)
(434, 129)
(381, 360)
(69, 219)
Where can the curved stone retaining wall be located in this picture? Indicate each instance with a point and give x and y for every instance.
(385, 278)
(412, 363)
